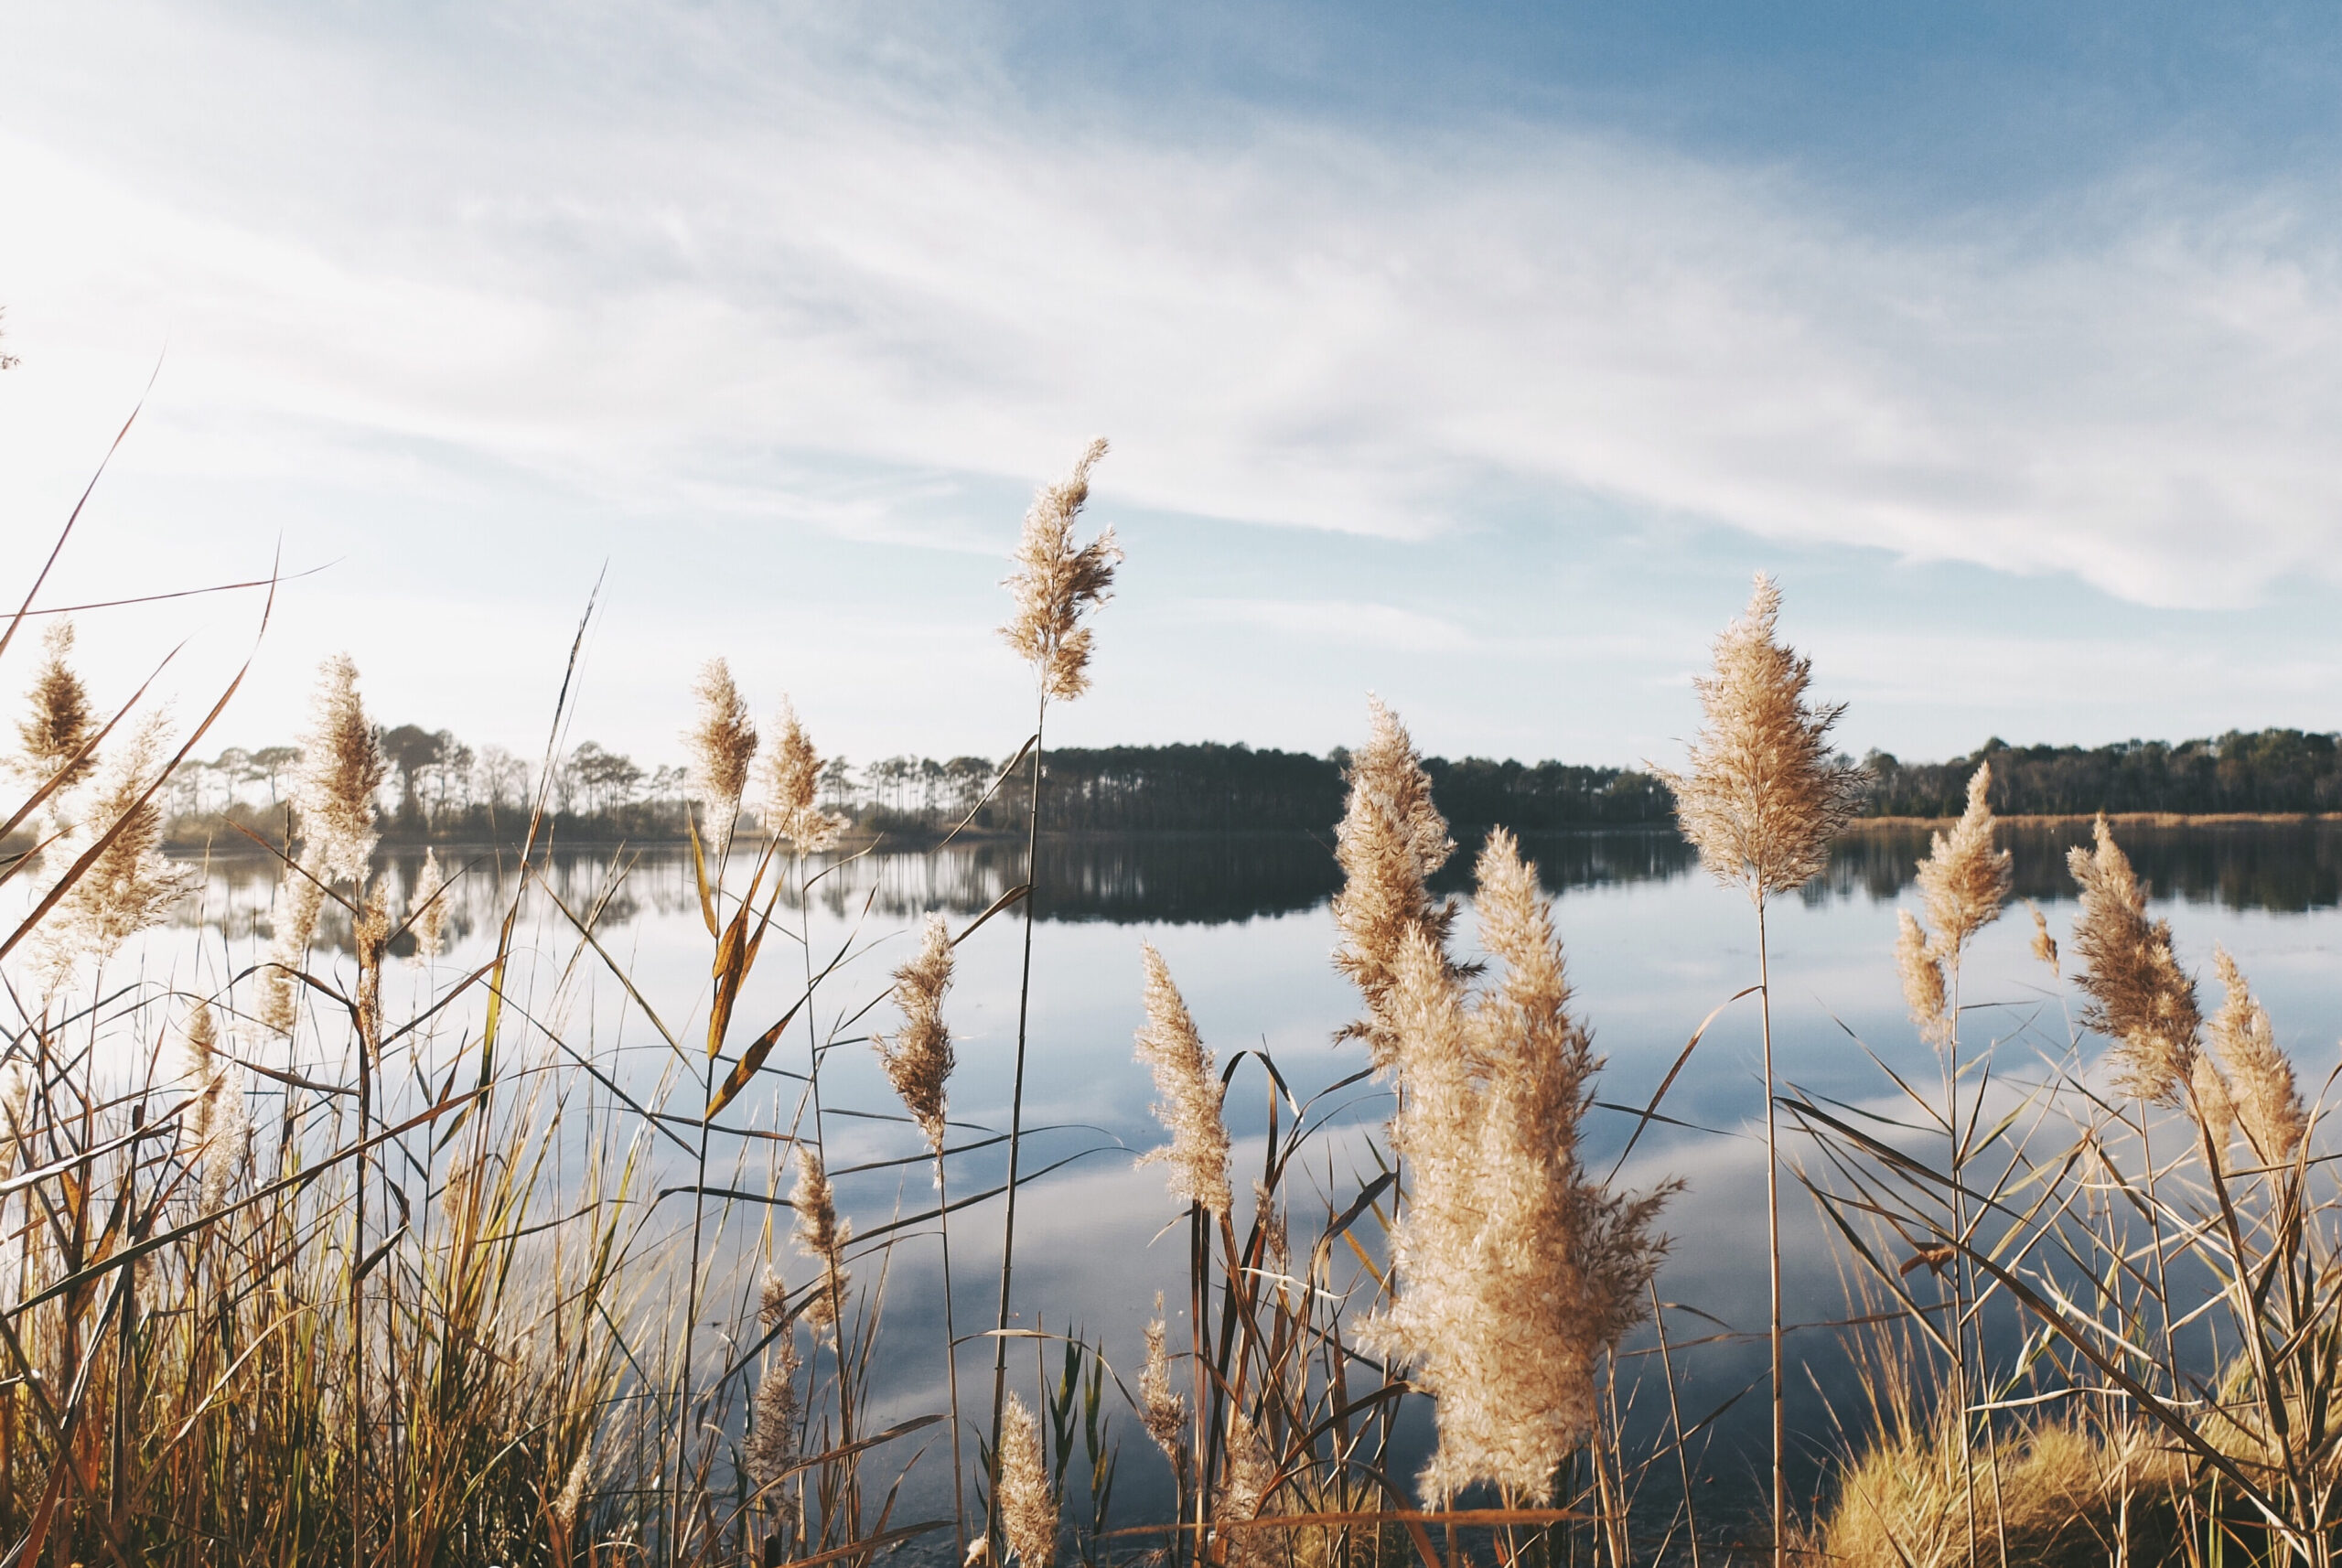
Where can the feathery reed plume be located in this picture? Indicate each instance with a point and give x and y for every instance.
(60, 722)
(722, 743)
(342, 766)
(306, 894)
(2139, 998)
(133, 885)
(1162, 1410)
(2044, 946)
(370, 936)
(2268, 1102)
(1963, 880)
(793, 785)
(427, 909)
(917, 1057)
(1922, 972)
(1391, 839)
(1028, 1508)
(1517, 1270)
(823, 1237)
(1057, 582)
(572, 1496)
(1191, 1090)
(772, 1435)
(1244, 1488)
(1763, 797)
(221, 1131)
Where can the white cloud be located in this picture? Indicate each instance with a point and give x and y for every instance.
(620, 262)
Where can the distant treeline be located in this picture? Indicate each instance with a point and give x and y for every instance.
(2270, 770)
(436, 788)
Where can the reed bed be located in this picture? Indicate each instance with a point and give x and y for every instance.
(341, 1254)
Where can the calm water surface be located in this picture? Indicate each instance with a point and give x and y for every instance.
(1653, 945)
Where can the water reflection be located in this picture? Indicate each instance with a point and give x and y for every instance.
(1219, 878)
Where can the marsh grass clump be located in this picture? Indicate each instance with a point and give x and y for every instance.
(2069, 1495)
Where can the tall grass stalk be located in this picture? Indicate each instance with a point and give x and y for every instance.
(1762, 798)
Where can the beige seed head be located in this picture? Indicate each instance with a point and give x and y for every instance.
(2139, 997)
(342, 765)
(772, 1441)
(1162, 1409)
(723, 743)
(823, 1237)
(917, 1057)
(1057, 582)
(2268, 1101)
(133, 885)
(303, 898)
(2044, 946)
(1763, 797)
(572, 1496)
(59, 721)
(370, 937)
(1516, 1270)
(793, 785)
(216, 1124)
(1390, 841)
(1963, 880)
(428, 908)
(1028, 1508)
(1186, 1078)
(1922, 972)
(1251, 1476)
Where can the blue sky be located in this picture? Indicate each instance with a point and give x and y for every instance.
(1474, 356)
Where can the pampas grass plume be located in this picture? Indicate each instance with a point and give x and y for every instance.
(917, 1057)
(342, 765)
(1922, 972)
(132, 884)
(1517, 1270)
(723, 743)
(1391, 839)
(60, 722)
(428, 908)
(2268, 1101)
(1185, 1077)
(1763, 797)
(1028, 1508)
(1057, 582)
(1964, 881)
(2044, 946)
(2139, 997)
(1162, 1409)
(823, 1237)
(792, 784)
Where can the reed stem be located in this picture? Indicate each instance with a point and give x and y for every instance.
(1015, 1119)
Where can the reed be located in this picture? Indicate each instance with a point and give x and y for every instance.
(1762, 796)
(1057, 583)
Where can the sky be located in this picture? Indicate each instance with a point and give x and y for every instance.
(1474, 356)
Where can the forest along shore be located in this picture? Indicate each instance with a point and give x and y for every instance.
(438, 791)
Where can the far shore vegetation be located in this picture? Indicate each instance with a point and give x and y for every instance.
(438, 789)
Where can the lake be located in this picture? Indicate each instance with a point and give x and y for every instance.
(1652, 944)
